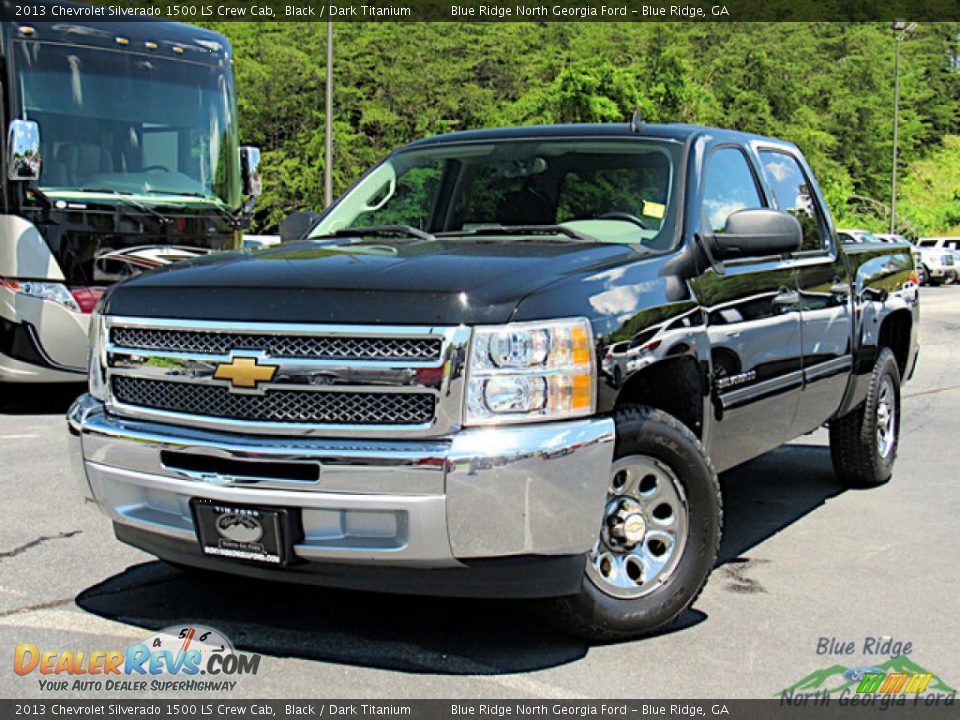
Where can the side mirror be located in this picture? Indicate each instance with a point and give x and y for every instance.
(755, 233)
(250, 171)
(23, 150)
(296, 225)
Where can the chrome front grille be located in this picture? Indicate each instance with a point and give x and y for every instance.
(285, 378)
(278, 406)
(330, 347)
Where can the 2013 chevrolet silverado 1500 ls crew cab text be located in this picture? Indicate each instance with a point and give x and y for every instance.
(413, 397)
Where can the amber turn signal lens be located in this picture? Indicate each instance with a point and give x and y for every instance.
(582, 394)
(581, 346)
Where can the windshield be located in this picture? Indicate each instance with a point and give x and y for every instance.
(114, 121)
(619, 191)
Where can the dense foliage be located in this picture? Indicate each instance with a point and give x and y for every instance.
(826, 86)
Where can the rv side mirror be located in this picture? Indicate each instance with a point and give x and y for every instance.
(23, 150)
(250, 171)
(296, 225)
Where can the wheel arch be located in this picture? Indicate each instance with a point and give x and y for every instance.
(674, 385)
(895, 333)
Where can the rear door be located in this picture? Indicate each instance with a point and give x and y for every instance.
(753, 324)
(823, 291)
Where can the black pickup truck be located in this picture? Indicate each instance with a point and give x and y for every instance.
(505, 363)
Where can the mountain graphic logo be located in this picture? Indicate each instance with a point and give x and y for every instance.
(837, 678)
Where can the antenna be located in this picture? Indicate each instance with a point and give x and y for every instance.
(636, 122)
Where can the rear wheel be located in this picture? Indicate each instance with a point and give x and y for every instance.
(863, 443)
(659, 536)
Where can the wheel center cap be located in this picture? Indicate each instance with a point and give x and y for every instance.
(634, 528)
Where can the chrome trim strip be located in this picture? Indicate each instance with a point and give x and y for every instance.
(261, 328)
(290, 386)
(410, 467)
(773, 386)
(828, 368)
(138, 360)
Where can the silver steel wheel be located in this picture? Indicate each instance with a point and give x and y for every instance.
(886, 418)
(644, 529)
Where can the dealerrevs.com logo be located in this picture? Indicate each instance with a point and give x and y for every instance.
(176, 659)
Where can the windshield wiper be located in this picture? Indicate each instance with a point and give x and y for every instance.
(230, 217)
(570, 234)
(189, 193)
(380, 231)
(126, 198)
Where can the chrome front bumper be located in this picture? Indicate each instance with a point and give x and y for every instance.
(535, 490)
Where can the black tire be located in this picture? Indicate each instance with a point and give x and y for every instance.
(855, 447)
(599, 616)
(617, 377)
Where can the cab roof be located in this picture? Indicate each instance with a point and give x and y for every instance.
(680, 132)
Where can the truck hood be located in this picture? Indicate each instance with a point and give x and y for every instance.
(424, 282)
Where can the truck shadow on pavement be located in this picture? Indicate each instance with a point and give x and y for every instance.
(39, 399)
(443, 635)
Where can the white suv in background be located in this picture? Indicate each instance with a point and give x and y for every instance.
(856, 236)
(922, 277)
(940, 257)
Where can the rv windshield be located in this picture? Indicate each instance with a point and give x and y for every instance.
(119, 122)
(608, 189)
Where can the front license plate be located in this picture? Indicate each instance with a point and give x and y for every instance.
(241, 532)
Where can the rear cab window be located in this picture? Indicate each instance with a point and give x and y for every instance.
(792, 193)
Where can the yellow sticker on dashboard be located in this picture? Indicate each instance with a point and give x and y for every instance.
(654, 210)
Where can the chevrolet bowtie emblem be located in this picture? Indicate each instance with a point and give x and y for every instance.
(244, 372)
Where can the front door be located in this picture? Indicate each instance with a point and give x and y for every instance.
(753, 322)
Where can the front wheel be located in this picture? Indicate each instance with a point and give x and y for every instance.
(659, 535)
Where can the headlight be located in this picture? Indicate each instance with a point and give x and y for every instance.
(524, 372)
(54, 292)
(96, 381)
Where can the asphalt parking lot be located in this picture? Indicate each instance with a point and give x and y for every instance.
(801, 560)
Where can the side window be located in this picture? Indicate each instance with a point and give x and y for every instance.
(791, 193)
(729, 186)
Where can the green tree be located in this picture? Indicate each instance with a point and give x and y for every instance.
(826, 86)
